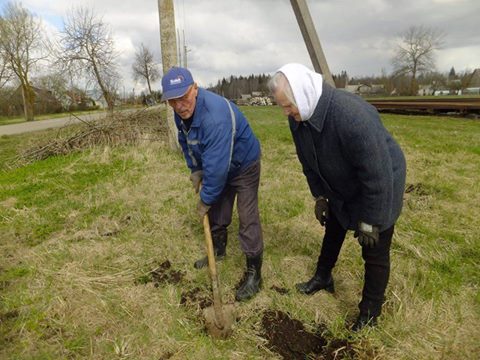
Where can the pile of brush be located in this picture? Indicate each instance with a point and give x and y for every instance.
(117, 129)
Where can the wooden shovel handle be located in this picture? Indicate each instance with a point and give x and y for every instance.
(217, 299)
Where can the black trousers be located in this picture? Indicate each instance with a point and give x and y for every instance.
(377, 263)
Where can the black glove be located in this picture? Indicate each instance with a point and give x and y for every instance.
(321, 210)
(367, 235)
(196, 179)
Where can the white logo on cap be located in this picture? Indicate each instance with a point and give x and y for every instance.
(177, 80)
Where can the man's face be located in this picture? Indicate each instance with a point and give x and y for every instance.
(185, 106)
(288, 108)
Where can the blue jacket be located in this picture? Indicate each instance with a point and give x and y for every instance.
(209, 145)
(349, 158)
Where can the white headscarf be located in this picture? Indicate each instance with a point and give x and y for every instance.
(306, 87)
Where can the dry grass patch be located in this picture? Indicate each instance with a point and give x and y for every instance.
(78, 232)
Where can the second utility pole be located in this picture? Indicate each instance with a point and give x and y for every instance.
(168, 42)
(310, 36)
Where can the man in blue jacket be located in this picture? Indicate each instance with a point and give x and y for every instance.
(223, 155)
(355, 171)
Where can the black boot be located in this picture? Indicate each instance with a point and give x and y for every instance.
(321, 280)
(364, 319)
(252, 279)
(219, 239)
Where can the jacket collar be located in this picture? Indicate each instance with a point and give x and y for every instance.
(319, 115)
(317, 120)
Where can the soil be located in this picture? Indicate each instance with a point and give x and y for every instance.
(166, 356)
(4, 317)
(161, 275)
(288, 338)
(285, 335)
(417, 189)
(280, 290)
(194, 297)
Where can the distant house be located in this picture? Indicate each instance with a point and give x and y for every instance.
(365, 89)
(378, 89)
(473, 86)
(425, 90)
(44, 102)
(439, 92)
(474, 80)
(243, 100)
(351, 89)
(76, 99)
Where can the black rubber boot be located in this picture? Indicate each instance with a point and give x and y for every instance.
(219, 239)
(252, 279)
(321, 280)
(364, 319)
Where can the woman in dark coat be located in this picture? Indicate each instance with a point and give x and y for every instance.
(355, 171)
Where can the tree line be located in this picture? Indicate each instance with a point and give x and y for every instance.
(234, 87)
(84, 58)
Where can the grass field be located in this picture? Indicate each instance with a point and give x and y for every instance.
(79, 235)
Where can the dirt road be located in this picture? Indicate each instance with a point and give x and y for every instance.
(46, 124)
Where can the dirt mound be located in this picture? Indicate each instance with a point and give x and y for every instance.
(288, 337)
(194, 297)
(161, 275)
(280, 290)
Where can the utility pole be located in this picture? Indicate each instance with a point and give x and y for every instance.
(179, 48)
(184, 51)
(310, 36)
(168, 43)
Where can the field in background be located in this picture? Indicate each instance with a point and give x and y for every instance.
(80, 233)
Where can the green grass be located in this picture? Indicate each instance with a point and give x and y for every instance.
(78, 232)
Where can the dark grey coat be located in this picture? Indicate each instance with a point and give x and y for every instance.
(350, 158)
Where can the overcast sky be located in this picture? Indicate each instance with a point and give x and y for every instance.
(242, 37)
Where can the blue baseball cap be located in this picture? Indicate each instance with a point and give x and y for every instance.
(176, 82)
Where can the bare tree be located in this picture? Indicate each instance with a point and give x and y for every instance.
(144, 68)
(20, 47)
(88, 48)
(5, 73)
(415, 53)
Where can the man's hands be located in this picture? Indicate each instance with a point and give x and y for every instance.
(321, 210)
(202, 209)
(196, 179)
(367, 235)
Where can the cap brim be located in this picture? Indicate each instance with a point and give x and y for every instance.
(174, 93)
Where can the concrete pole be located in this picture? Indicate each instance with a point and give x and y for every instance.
(168, 42)
(310, 36)
(184, 50)
(179, 53)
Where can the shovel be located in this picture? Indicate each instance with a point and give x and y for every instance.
(219, 318)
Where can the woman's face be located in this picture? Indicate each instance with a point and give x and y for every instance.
(288, 108)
